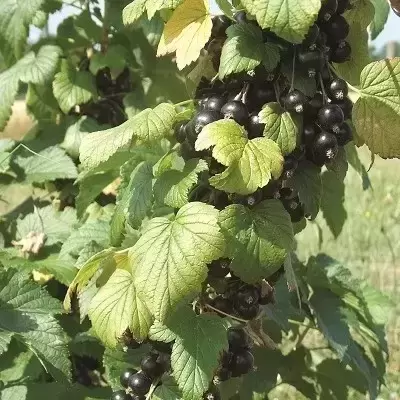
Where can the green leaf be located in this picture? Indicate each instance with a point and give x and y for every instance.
(133, 11)
(382, 10)
(55, 225)
(15, 18)
(114, 59)
(147, 126)
(196, 352)
(355, 162)
(251, 163)
(48, 165)
(332, 202)
(280, 126)
(161, 333)
(258, 240)
(307, 182)
(171, 257)
(289, 19)
(116, 307)
(377, 112)
(41, 103)
(169, 390)
(172, 187)
(359, 17)
(26, 312)
(72, 87)
(339, 165)
(5, 339)
(245, 49)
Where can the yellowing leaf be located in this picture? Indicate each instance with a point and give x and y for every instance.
(187, 31)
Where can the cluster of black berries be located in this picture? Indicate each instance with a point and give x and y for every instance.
(233, 296)
(136, 383)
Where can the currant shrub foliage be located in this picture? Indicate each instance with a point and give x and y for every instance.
(174, 157)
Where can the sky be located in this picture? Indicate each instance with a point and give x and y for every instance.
(391, 31)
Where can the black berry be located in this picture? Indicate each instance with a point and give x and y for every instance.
(260, 95)
(237, 111)
(255, 128)
(310, 40)
(247, 296)
(180, 131)
(242, 363)
(289, 167)
(223, 374)
(337, 28)
(240, 17)
(345, 134)
(338, 89)
(237, 339)
(296, 213)
(124, 377)
(331, 117)
(120, 395)
(343, 5)
(325, 148)
(219, 268)
(295, 101)
(139, 383)
(247, 312)
(313, 106)
(202, 119)
(220, 24)
(313, 60)
(286, 193)
(214, 103)
(151, 367)
(212, 394)
(328, 9)
(346, 105)
(222, 304)
(341, 53)
(309, 134)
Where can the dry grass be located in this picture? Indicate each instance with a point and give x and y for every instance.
(19, 124)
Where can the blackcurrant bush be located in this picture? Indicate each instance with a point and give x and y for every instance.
(242, 363)
(222, 304)
(325, 148)
(255, 128)
(338, 89)
(237, 111)
(328, 9)
(337, 28)
(341, 53)
(219, 268)
(240, 17)
(120, 395)
(289, 167)
(309, 134)
(180, 131)
(237, 339)
(343, 5)
(295, 101)
(345, 134)
(223, 374)
(247, 312)
(124, 377)
(331, 117)
(220, 24)
(246, 296)
(151, 367)
(202, 119)
(214, 103)
(310, 40)
(346, 105)
(139, 383)
(313, 60)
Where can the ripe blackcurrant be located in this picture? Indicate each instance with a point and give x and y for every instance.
(212, 394)
(330, 117)
(222, 304)
(313, 106)
(220, 24)
(219, 268)
(313, 60)
(328, 9)
(309, 134)
(139, 383)
(338, 89)
(124, 377)
(180, 131)
(286, 193)
(237, 339)
(247, 312)
(297, 213)
(345, 134)
(260, 95)
(240, 17)
(223, 374)
(341, 53)
(235, 110)
(343, 5)
(295, 101)
(255, 128)
(246, 296)
(214, 103)
(120, 395)
(325, 148)
(289, 167)
(242, 363)
(337, 28)
(202, 119)
(310, 40)
(346, 105)
(151, 367)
